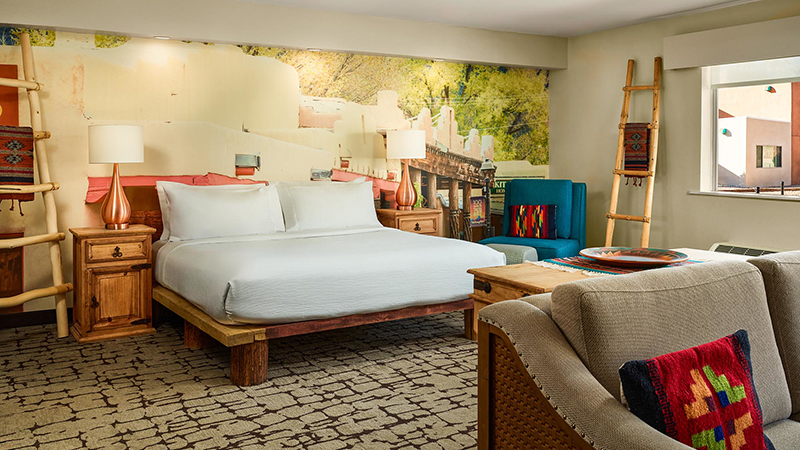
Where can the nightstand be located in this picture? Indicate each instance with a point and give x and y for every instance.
(421, 221)
(113, 283)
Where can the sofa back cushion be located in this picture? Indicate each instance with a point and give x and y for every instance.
(541, 192)
(781, 273)
(611, 320)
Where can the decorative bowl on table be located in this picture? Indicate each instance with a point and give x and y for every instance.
(634, 257)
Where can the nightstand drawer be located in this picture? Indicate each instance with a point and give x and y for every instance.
(103, 250)
(418, 224)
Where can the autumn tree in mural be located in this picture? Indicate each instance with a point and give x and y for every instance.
(511, 104)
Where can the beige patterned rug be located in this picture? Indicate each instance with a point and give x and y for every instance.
(409, 384)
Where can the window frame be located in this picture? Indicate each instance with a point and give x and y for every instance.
(715, 132)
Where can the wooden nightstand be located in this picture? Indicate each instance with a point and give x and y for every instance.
(113, 283)
(421, 221)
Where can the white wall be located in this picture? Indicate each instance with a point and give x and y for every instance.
(733, 145)
(768, 132)
(585, 104)
(240, 22)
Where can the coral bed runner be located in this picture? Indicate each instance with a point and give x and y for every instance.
(594, 268)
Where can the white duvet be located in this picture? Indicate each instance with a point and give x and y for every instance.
(297, 276)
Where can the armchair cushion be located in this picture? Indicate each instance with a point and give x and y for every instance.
(781, 273)
(545, 248)
(611, 320)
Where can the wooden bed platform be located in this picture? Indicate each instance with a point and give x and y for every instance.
(249, 343)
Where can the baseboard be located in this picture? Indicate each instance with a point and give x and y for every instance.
(31, 318)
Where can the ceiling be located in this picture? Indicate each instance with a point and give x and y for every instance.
(565, 18)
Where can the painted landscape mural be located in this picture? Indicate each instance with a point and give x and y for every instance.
(334, 102)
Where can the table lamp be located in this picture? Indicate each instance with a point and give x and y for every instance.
(115, 144)
(405, 145)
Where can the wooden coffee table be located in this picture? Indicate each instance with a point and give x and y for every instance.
(496, 284)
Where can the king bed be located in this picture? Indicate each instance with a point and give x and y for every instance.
(242, 289)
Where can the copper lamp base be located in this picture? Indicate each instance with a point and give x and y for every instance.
(116, 209)
(406, 195)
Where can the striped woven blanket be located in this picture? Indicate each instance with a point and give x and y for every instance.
(591, 267)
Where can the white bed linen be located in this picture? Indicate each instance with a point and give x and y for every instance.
(297, 276)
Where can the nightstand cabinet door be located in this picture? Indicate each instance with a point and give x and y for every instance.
(116, 298)
(113, 283)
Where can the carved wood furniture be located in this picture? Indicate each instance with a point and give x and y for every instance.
(420, 220)
(113, 283)
(249, 343)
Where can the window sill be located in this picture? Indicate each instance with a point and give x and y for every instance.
(781, 198)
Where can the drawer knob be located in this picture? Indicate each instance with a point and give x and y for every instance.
(484, 286)
(417, 227)
(117, 253)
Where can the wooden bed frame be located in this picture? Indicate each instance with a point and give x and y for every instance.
(249, 343)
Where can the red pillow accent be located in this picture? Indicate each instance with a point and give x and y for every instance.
(532, 221)
(703, 397)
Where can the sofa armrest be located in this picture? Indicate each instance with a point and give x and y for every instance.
(578, 409)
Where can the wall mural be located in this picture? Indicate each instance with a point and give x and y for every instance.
(510, 104)
(344, 101)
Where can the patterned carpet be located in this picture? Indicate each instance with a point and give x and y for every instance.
(409, 384)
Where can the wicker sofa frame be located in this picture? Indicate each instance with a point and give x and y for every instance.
(513, 412)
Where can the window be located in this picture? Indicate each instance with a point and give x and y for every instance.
(768, 156)
(753, 107)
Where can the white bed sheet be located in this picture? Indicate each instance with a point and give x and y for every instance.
(298, 276)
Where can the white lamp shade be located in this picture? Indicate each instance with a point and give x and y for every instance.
(110, 144)
(405, 144)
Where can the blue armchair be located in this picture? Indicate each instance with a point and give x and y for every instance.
(570, 201)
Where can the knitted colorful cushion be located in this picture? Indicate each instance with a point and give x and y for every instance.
(532, 221)
(703, 397)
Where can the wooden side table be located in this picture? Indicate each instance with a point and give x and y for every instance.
(421, 221)
(113, 283)
(496, 284)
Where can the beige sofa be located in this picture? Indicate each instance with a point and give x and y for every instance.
(547, 370)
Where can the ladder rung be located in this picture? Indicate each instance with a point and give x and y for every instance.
(8, 244)
(639, 88)
(634, 173)
(627, 217)
(649, 125)
(41, 135)
(8, 302)
(12, 188)
(25, 84)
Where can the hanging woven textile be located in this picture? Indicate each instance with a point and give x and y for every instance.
(637, 150)
(16, 162)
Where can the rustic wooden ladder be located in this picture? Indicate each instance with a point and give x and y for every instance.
(46, 187)
(619, 169)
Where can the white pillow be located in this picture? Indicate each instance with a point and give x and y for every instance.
(328, 206)
(163, 200)
(287, 205)
(198, 212)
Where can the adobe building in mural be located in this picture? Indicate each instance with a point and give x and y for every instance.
(758, 138)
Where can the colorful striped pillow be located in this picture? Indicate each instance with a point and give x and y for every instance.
(532, 221)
